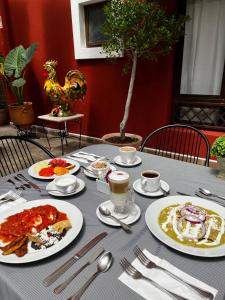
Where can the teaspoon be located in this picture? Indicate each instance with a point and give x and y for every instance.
(104, 263)
(208, 193)
(107, 213)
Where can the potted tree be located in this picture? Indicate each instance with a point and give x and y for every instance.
(12, 67)
(218, 150)
(139, 29)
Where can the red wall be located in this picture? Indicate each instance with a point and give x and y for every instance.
(49, 24)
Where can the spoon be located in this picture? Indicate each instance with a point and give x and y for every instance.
(107, 213)
(208, 193)
(16, 187)
(104, 263)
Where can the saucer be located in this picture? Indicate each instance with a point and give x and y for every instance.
(89, 174)
(138, 188)
(80, 184)
(132, 217)
(136, 162)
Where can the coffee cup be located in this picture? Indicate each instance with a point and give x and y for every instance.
(127, 154)
(121, 196)
(65, 183)
(100, 168)
(150, 180)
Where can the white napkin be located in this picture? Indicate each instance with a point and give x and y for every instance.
(149, 292)
(10, 204)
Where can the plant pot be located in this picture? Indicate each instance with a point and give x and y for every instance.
(137, 139)
(4, 116)
(221, 167)
(21, 115)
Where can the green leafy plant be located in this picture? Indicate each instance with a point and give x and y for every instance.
(139, 29)
(218, 147)
(13, 66)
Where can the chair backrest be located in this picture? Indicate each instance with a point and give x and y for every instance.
(17, 153)
(180, 142)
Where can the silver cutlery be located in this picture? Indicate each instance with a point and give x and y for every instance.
(210, 194)
(88, 170)
(150, 264)
(15, 185)
(90, 154)
(85, 161)
(104, 263)
(11, 196)
(107, 213)
(20, 180)
(165, 193)
(89, 158)
(91, 259)
(35, 186)
(197, 193)
(135, 274)
(63, 268)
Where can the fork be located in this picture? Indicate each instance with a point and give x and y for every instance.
(12, 196)
(150, 264)
(135, 274)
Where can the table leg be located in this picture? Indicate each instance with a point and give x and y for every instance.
(80, 123)
(61, 134)
(46, 135)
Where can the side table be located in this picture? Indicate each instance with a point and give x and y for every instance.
(63, 132)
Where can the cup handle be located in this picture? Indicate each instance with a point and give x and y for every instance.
(131, 198)
(143, 183)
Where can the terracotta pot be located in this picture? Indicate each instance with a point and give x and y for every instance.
(221, 167)
(135, 144)
(21, 115)
(4, 116)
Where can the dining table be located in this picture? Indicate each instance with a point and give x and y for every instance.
(25, 281)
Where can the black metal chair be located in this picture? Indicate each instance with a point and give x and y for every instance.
(17, 153)
(180, 142)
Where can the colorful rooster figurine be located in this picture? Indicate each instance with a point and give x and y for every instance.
(75, 88)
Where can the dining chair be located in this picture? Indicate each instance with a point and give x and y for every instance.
(17, 153)
(181, 142)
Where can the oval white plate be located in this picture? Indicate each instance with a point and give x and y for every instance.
(138, 188)
(51, 186)
(31, 170)
(131, 218)
(92, 175)
(75, 216)
(151, 219)
(118, 161)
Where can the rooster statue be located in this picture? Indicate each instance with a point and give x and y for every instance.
(74, 88)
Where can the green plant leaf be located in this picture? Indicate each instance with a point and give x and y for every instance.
(14, 62)
(18, 82)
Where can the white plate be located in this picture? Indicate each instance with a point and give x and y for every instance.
(80, 184)
(133, 216)
(118, 161)
(92, 175)
(74, 215)
(153, 212)
(138, 188)
(32, 172)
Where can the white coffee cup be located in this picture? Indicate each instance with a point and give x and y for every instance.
(65, 183)
(100, 168)
(120, 194)
(150, 180)
(127, 154)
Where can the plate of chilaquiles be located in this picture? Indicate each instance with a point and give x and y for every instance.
(37, 229)
(50, 168)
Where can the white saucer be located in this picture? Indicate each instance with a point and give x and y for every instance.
(138, 188)
(51, 186)
(118, 161)
(89, 174)
(133, 216)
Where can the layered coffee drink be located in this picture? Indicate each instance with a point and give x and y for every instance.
(118, 183)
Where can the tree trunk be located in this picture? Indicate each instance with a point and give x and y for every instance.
(129, 97)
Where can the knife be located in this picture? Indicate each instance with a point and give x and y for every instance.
(35, 186)
(91, 259)
(58, 272)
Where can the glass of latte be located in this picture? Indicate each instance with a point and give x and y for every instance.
(121, 197)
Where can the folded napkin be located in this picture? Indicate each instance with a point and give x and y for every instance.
(10, 204)
(149, 292)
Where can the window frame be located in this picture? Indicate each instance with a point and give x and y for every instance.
(203, 102)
